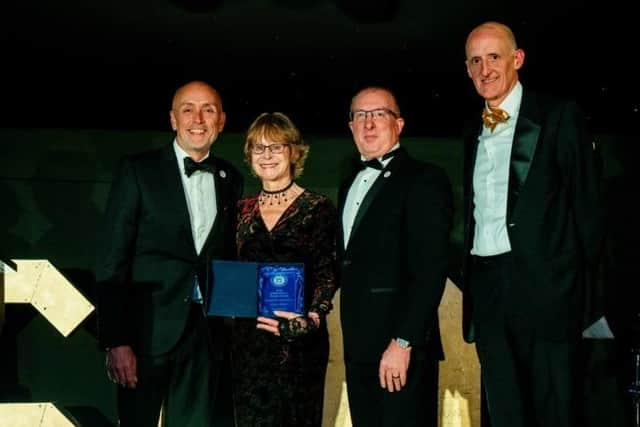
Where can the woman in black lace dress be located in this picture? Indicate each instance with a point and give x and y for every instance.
(279, 364)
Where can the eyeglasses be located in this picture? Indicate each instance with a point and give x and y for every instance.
(277, 148)
(376, 115)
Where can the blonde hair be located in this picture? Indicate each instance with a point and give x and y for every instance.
(278, 128)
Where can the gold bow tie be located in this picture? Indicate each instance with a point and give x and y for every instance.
(492, 117)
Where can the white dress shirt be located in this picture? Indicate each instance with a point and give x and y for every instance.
(357, 192)
(491, 181)
(199, 191)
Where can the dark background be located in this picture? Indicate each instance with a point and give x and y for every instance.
(114, 64)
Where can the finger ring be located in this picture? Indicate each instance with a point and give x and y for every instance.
(395, 377)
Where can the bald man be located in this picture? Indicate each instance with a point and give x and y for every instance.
(170, 211)
(533, 227)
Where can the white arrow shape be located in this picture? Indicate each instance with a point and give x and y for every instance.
(40, 284)
(43, 414)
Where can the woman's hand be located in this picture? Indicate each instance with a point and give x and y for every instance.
(289, 325)
(271, 325)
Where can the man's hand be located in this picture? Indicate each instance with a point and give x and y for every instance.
(122, 366)
(393, 367)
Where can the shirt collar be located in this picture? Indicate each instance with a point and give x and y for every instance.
(511, 104)
(181, 154)
(385, 158)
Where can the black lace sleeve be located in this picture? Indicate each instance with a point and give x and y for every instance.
(323, 244)
(296, 327)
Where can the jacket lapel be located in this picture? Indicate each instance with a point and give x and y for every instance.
(169, 173)
(222, 187)
(385, 174)
(352, 172)
(471, 150)
(525, 141)
(221, 177)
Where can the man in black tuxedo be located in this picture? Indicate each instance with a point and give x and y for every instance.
(396, 217)
(170, 211)
(533, 227)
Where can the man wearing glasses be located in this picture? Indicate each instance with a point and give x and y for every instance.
(396, 217)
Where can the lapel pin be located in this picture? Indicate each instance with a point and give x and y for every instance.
(222, 174)
(387, 174)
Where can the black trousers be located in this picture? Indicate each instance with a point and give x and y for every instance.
(529, 381)
(416, 405)
(185, 380)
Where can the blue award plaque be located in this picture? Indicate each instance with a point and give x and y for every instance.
(280, 287)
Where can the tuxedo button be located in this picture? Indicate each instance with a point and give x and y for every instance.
(186, 299)
(346, 262)
(513, 224)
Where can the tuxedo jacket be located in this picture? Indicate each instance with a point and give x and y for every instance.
(393, 271)
(147, 261)
(554, 217)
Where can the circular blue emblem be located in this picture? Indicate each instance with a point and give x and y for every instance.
(279, 280)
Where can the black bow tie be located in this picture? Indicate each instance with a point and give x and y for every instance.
(375, 163)
(190, 166)
(372, 163)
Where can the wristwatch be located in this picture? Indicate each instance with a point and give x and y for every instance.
(402, 343)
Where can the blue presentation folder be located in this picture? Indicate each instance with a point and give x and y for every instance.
(234, 289)
(250, 289)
